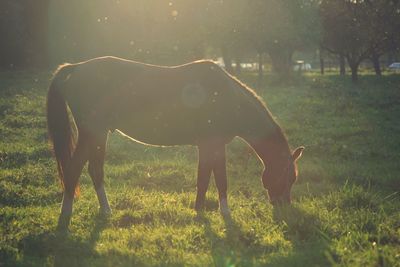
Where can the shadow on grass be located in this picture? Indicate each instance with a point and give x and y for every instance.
(63, 249)
(237, 247)
(225, 251)
(310, 246)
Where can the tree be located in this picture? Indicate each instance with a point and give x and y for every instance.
(23, 28)
(280, 27)
(383, 18)
(359, 29)
(225, 29)
(166, 32)
(344, 31)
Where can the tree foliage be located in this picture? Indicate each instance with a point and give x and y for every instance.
(23, 31)
(177, 31)
(280, 27)
(359, 29)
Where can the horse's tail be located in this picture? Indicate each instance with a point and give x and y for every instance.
(60, 129)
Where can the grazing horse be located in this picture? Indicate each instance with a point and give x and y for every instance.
(197, 104)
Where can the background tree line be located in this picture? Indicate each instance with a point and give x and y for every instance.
(41, 33)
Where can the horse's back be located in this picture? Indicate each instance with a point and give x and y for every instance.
(154, 104)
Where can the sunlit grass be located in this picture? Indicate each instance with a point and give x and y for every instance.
(345, 208)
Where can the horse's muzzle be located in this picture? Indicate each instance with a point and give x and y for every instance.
(281, 201)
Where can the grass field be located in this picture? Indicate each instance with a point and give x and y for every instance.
(346, 202)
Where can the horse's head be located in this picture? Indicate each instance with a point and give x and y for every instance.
(278, 179)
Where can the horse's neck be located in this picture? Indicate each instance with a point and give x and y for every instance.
(258, 128)
(271, 149)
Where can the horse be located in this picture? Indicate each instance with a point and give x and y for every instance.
(197, 103)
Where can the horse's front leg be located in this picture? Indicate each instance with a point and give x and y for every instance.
(212, 158)
(203, 175)
(219, 169)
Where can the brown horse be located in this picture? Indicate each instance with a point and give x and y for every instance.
(193, 104)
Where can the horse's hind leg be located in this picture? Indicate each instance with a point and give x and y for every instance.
(96, 170)
(71, 176)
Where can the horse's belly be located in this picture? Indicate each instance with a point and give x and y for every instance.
(182, 129)
(158, 137)
(160, 133)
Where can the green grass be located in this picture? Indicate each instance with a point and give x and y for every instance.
(346, 201)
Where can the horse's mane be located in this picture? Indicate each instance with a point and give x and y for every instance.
(60, 67)
(243, 88)
(258, 101)
(250, 93)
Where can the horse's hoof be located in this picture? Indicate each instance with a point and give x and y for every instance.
(199, 207)
(223, 207)
(63, 223)
(226, 212)
(105, 212)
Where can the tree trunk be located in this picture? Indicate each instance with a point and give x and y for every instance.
(281, 62)
(392, 51)
(354, 71)
(377, 65)
(227, 60)
(321, 63)
(342, 65)
(38, 30)
(390, 57)
(238, 66)
(260, 69)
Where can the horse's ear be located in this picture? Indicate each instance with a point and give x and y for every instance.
(297, 153)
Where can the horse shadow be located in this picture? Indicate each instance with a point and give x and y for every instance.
(239, 248)
(223, 249)
(235, 248)
(59, 248)
(230, 245)
(310, 245)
